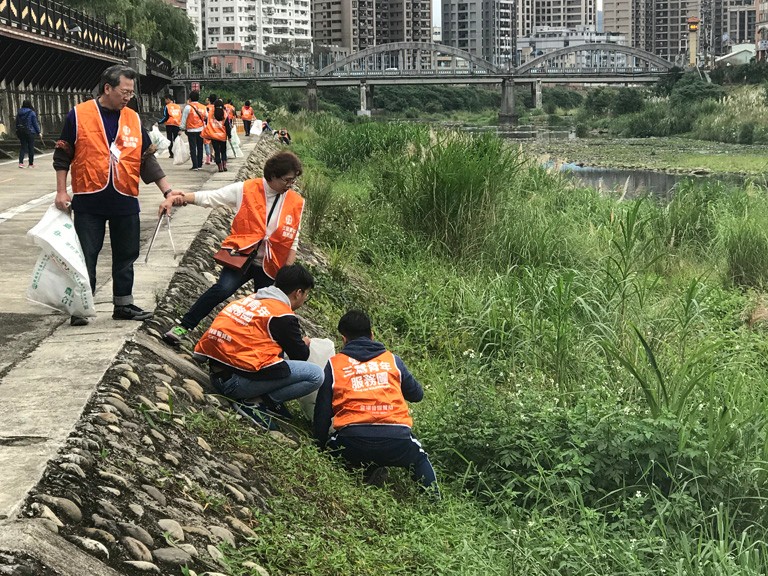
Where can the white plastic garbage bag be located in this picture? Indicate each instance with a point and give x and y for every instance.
(180, 151)
(60, 278)
(256, 127)
(237, 152)
(161, 141)
(320, 351)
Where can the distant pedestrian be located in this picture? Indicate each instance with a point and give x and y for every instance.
(266, 129)
(192, 122)
(27, 129)
(283, 136)
(172, 120)
(230, 110)
(218, 131)
(246, 113)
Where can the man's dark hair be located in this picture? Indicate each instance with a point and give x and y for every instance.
(112, 76)
(212, 98)
(194, 96)
(280, 164)
(169, 97)
(229, 100)
(247, 102)
(294, 277)
(355, 324)
(26, 104)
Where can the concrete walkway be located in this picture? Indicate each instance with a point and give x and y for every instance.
(48, 369)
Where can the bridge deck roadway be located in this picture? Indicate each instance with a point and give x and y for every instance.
(49, 369)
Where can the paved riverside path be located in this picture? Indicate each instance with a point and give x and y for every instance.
(49, 369)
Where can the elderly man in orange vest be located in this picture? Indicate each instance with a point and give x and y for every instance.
(364, 396)
(245, 345)
(105, 147)
(268, 221)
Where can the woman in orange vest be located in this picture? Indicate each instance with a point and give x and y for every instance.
(246, 113)
(268, 220)
(218, 131)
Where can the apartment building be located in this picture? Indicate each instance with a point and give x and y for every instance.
(254, 24)
(547, 39)
(761, 29)
(354, 25)
(484, 28)
(660, 26)
(555, 14)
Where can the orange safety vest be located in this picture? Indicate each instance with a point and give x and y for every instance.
(368, 392)
(249, 225)
(93, 165)
(215, 130)
(239, 336)
(174, 114)
(195, 120)
(230, 111)
(246, 113)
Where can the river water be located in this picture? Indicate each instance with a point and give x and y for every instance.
(630, 183)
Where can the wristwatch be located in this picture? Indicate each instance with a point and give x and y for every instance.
(166, 192)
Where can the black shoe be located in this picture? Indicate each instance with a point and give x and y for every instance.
(277, 408)
(376, 477)
(255, 413)
(78, 321)
(130, 312)
(170, 155)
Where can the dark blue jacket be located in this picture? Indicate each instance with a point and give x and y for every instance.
(363, 349)
(28, 118)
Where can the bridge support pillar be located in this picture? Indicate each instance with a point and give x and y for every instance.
(312, 96)
(363, 100)
(507, 115)
(536, 93)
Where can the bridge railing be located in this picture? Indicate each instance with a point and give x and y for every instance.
(53, 20)
(595, 71)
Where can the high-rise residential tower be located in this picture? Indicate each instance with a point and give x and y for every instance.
(354, 25)
(660, 26)
(484, 28)
(254, 24)
(555, 14)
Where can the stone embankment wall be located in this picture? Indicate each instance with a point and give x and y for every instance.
(130, 491)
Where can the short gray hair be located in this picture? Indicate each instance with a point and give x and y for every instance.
(112, 76)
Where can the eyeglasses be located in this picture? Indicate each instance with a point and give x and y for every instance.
(289, 181)
(125, 93)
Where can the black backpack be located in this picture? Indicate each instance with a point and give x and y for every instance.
(21, 124)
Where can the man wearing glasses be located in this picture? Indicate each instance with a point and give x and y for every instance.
(106, 149)
(267, 221)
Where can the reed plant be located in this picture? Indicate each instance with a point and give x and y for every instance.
(745, 243)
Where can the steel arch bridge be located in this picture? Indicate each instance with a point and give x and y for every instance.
(358, 60)
(281, 66)
(635, 58)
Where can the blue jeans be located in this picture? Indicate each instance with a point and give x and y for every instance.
(195, 148)
(370, 453)
(228, 283)
(305, 377)
(125, 241)
(27, 146)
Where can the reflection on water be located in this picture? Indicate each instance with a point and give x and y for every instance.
(527, 132)
(632, 183)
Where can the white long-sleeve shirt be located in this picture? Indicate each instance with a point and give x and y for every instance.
(231, 196)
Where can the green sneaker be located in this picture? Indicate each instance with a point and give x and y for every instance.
(174, 335)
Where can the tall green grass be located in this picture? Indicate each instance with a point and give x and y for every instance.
(589, 378)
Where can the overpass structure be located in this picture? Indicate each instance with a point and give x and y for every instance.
(54, 56)
(404, 63)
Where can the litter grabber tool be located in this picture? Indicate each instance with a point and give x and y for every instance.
(167, 217)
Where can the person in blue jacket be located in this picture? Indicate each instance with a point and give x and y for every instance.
(27, 129)
(364, 397)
